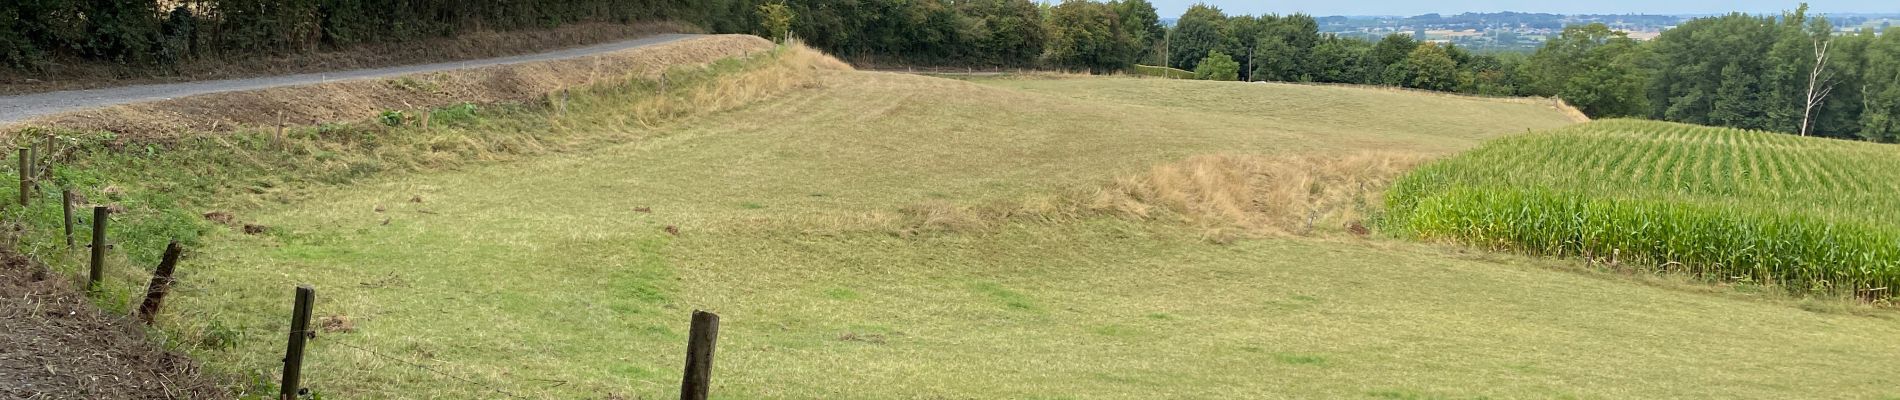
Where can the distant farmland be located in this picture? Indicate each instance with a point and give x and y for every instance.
(1815, 214)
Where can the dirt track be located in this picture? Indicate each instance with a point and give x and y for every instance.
(23, 107)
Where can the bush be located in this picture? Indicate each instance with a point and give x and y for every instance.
(1217, 67)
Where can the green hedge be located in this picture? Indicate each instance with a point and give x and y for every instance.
(1163, 72)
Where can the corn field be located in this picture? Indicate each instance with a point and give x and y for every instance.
(1811, 214)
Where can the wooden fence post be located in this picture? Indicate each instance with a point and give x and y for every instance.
(98, 247)
(26, 175)
(52, 154)
(33, 161)
(161, 283)
(67, 196)
(299, 333)
(699, 356)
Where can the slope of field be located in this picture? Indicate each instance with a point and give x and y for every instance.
(1813, 214)
(831, 227)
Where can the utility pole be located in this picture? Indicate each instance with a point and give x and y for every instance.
(1167, 47)
(1250, 76)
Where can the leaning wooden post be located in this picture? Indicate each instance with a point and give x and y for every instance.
(699, 356)
(299, 333)
(67, 196)
(26, 175)
(98, 248)
(278, 140)
(161, 283)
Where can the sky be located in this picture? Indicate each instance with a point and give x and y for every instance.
(1174, 8)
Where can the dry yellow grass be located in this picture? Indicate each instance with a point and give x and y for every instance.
(797, 68)
(1289, 194)
(1225, 195)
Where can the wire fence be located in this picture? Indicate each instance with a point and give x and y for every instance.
(695, 383)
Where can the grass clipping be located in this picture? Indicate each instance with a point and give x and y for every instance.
(1230, 195)
(1227, 196)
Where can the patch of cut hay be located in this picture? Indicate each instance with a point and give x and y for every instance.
(1296, 195)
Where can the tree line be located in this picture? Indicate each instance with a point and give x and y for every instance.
(1788, 73)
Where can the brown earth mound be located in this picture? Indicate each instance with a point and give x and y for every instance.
(363, 99)
(55, 345)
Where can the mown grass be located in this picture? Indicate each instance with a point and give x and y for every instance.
(821, 223)
(1809, 214)
(163, 191)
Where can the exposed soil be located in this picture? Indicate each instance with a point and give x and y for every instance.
(55, 345)
(261, 103)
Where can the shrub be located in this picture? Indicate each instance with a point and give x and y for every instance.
(1218, 67)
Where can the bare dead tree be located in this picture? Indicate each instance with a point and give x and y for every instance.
(1820, 84)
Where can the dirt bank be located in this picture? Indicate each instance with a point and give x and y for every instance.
(359, 99)
(55, 345)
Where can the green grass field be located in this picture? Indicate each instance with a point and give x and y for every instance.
(821, 223)
(1811, 214)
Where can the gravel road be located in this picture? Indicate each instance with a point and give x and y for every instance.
(26, 106)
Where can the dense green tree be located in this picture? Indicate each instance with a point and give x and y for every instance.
(1195, 34)
(1499, 74)
(1337, 60)
(1139, 20)
(1086, 35)
(1593, 68)
(1708, 71)
(1839, 115)
(1240, 36)
(1429, 67)
(1217, 66)
(1880, 116)
(1287, 44)
(1276, 60)
(1010, 32)
(1388, 54)
(1790, 59)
